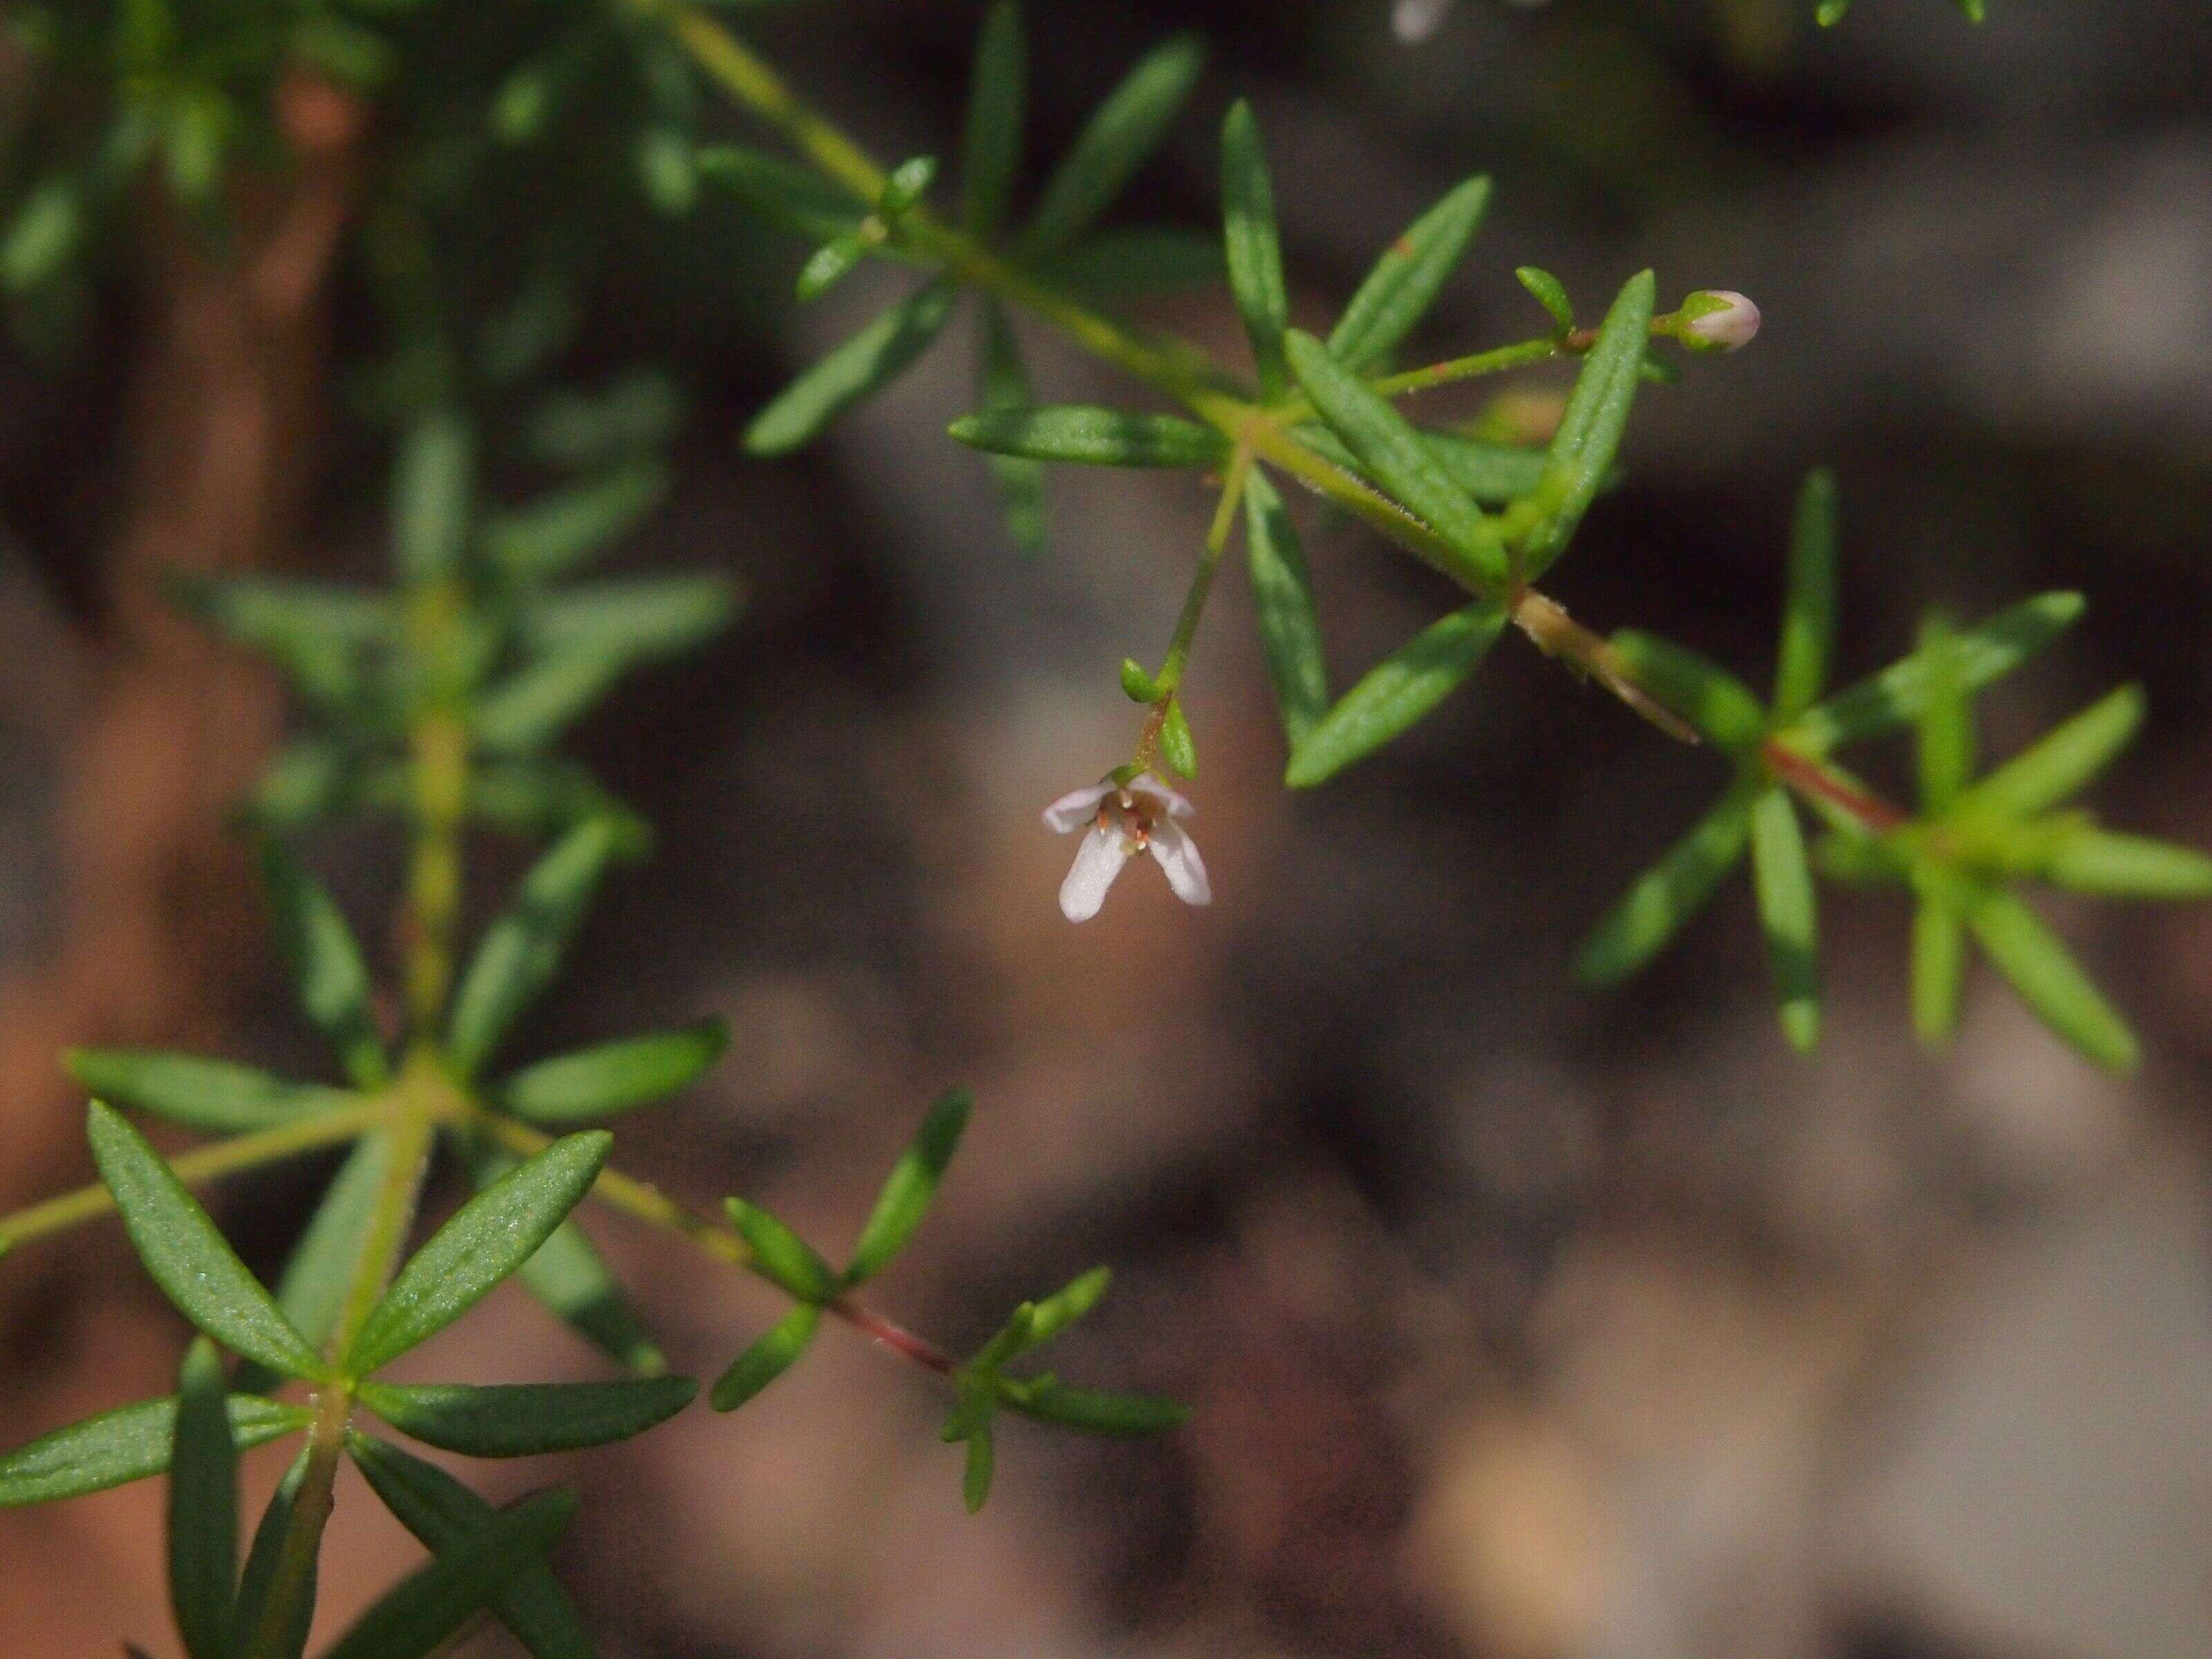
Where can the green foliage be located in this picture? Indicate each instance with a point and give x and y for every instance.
(1396, 692)
(213, 1097)
(127, 1444)
(522, 1419)
(1407, 278)
(416, 1616)
(203, 1511)
(1282, 591)
(910, 1188)
(1092, 437)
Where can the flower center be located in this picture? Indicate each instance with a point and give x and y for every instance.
(1130, 814)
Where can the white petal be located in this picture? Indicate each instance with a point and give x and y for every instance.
(1098, 861)
(1076, 808)
(1417, 20)
(1145, 783)
(1178, 855)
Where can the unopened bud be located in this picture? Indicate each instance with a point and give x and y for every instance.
(1717, 319)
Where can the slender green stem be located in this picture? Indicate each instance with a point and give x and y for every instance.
(1209, 562)
(292, 1586)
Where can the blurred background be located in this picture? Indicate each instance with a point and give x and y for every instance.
(1519, 1322)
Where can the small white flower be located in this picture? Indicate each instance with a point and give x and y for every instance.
(1415, 21)
(1719, 319)
(1121, 820)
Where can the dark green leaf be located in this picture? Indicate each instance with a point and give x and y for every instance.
(1255, 254)
(907, 1192)
(433, 1602)
(829, 265)
(637, 414)
(2062, 763)
(1712, 700)
(767, 1358)
(1392, 454)
(996, 99)
(557, 532)
(262, 1560)
(488, 1238)
(1491, 473)
(1896, 696)
(522, 1419)
(1139, 259)
(781, 1255)
(543, 799)
(327, 965)
(794, 198)
(319, 1277)
(1092, 436)
(613, 1077)
(212, 1095)
(1002, 383)
(188, 1258)
(2091, 860)
(1396, 692)
(1945, 732)
(433, 482)
(2048, 980)
(203, 1507)
(853, 372)
(1407, 278)
(522, 947)
(1589, 437)
(1808, 606)
(1282, 591)
(1094, 1413)
(1783, 883)
(1669, 893)
(441, 1512)
(1550, 293)
(1113, 145)
(126, 1445)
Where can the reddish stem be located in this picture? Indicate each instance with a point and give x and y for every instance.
(1808, 778)
(899, 1340)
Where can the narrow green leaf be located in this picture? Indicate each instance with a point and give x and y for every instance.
(522, 1419)
(1178, 749)
(1549, 292)
(1115, 143)
(529, 710)
(912, 1184)
(489, 1237)
(1013, 1339)
(522, 947)
(613, 1077)
(997, 99)
(1407, 278)
(636, 415)
(327, 965)
(317, 632)
(1589, 434)
(1939, 965)
(572, 1281)
(203, 1507)
(781, 1254)
(852, 372)
(1138, 259)
(792, 198)
(262, 1560)
(311, 780)
(2048, 981)
(1138, 684)
(1669, 893)
(1095, 1413)
(1396, 692)
(1054, 1314)
(433, 482)
(1002, 383)
(1946, 731)
(1493, 474)
(1808, 603)
(212, 1095)
(433, 1601)
(2061, 763)
(975, 1476)
(767, 1358)
(1718, 704)
(556, 533)
(2086, 859)
(187, 1257)
(441, 1512)
(829, 264)
(1090, 436)
(318, 1278)
(537, 800)
(1254, 251)
(634, 618)
(43, 237)
(1392, 453)
(1783, 883)
(1282, 591)
(127, 1444)
(908, 183)
(1896, 695)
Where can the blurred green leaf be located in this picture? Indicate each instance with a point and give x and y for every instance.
(202, 1510)
(43, 237)
(1550, 293)
(997, 99)
(908, 183)
(1092, 436)
(1491, 473)
(434, 481)
(1396, 692)
(1115, 142)
(1407, 278)
(314, 632)
(982, 1460)
(1254, 252)
(212, 1095)
(1589, 437)
(635, 414)
(1670, 892)
(426, 1608)
(2087, 859)
(1002, 383)
(1809, 605)
(1066, 1305)
(912, 1184)
(2062, 763)
(794, 198)
(1290, 632)
(488, 1238)
(319, 1278)
(632, 618)
(523, 1420)
(852, 372)
(1135, 260)
(556, 533)
(262, 1559)
(522, 948)
(1095, 1413)
(1718, 704)
(326, 966)
(612, 1077)
(667, 169)
(1783, 883)
(1945, 746)
(781, 1255)
(2048, 980)
(767, 1358)
(527, 711)
(1939, 964)
(126, 1445)
(441, 1512)
(187, 1257)
(829, 264)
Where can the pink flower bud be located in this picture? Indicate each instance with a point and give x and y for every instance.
(1719, 319)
